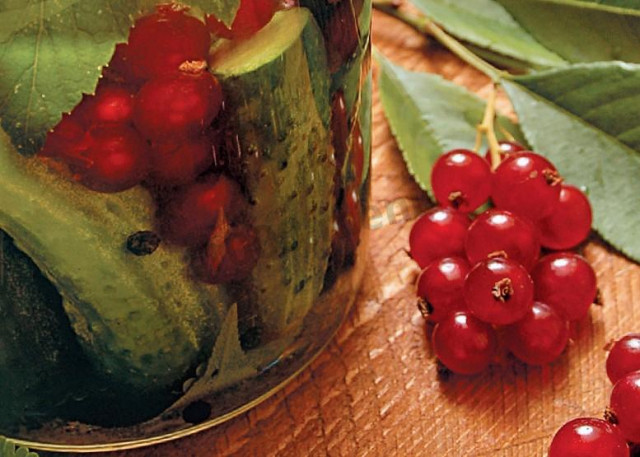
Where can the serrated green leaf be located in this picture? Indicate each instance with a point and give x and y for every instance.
(227, 364)
(52, 51)
(17, 14)
(581, 31)
(224, 10)
(605, 95)
(485, 23)
(586, 119)
(611, 5)
(48, 64)
(429, 116)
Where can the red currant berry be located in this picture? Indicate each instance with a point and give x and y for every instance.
(341, 35)
(339, 129)
(538, 338)
(464, 344)
(190, 216)
(233, 260)
(119, 69)
(252, 16)
(586, 436)
(68, 139)
(352, 214)
(118, 159)
(159, 43)
(439, 232)
(461, 179)
(566, 282)
(176, 164)
(177, 106)
(507, 149)
(357, 154)
(110, 104)
(570, 223)
(441, 287)
(526, 184)
(624, 357)
(496, 231)
(498, 291)
(625, 405)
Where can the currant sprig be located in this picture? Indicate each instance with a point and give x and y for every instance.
(509, 281)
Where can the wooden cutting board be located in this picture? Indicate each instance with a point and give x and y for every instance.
(375, 390)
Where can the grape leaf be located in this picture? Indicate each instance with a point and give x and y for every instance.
(581, 31)
(586, 119)
(429, 116)
(485, 23)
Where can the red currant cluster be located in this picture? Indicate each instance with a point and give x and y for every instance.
(481, 274)
(608, 438)
(149, 116)
(150, 122)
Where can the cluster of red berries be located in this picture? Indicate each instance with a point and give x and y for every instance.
(150, 122)
(485, 274)
(610, 437)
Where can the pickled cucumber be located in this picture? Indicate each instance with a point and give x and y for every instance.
(277, 87)
(39, 356)
(141, 320)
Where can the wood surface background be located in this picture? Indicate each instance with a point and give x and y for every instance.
(375, 391)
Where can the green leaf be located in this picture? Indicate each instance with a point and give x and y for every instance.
(611, 5)
(429, 116)
(486, 24)
(227, 364)
(605, 95)
(52, 51)
(9, 449)
(581, 31)
(586, 119)
(55, 57)
(224, 10)
(17, 14)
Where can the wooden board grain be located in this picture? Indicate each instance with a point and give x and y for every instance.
(375, 390)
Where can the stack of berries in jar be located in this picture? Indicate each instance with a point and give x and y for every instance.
(152, 122)
(486, 274)
(619, 432)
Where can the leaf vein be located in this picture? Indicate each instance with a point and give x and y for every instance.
(34, 65)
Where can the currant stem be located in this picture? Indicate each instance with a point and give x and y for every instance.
(425, 308)
(425, 25)
(502, 290)
(487, 128)
(505, 133)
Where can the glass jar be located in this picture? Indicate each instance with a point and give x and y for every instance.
(179, 244)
